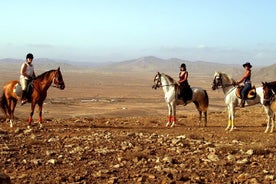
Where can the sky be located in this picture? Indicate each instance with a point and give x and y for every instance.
(222, 31)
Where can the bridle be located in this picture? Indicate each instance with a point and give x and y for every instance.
(217, 82)
(58, 81)
(158, 83)
(271, 96)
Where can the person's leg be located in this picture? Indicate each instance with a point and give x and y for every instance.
(23, 83)
(244, 92)
(184, 95)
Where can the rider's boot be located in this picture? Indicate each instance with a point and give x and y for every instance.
(23, 97)
(242, 103)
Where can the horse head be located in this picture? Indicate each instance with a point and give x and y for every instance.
(58, 79)
(217, 81)
(268, 93)
(157, 81)
(222, 80)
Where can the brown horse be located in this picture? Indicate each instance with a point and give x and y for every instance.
(12, 90)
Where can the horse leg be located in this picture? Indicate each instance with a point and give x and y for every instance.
(230, 124)
(9, 112)
(31, 114)
(200, 117)
(40, 114)
(173, 105)
(232, 112)
(273, 123)
(205, 119)
(269, 116)
(268, 124)
(169, 114)
(12, 108)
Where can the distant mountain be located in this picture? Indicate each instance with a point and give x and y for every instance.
(146, 65)
(153, 64)
(267, 74)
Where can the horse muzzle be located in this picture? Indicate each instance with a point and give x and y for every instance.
(62, 87)
(154, 86)
(214, 87)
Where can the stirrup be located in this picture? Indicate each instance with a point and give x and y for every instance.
(23, 102)
(184, 103)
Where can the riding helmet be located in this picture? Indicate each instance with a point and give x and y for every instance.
(30, 56)
(183, 65)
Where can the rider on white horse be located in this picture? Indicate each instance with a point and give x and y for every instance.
(185, 89)
(246, 79)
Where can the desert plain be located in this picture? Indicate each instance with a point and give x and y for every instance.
(109, 127)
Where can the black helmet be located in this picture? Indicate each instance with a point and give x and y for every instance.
(30, 56)
(183, 65)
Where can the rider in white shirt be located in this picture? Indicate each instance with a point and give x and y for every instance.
(26, 73)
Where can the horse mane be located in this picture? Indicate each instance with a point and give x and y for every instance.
(43, 75)
(226, 77)
(171, 80)
(271, 85)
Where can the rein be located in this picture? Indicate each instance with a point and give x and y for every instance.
(167, 85)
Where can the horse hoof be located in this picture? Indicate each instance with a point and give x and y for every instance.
(172, 125)
(11, 123)
(168, 124)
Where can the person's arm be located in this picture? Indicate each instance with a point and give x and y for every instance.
(246, 74)
(23, 70)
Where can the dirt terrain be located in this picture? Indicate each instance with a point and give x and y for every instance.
(110, 128)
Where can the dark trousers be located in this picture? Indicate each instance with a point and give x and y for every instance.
(185, 92)
(245, 90)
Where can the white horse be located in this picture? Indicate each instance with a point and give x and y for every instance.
(231, 100)
(171, 91)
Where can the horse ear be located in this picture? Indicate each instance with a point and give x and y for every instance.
(58, 68)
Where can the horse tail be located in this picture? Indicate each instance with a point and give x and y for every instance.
(206, 101)
(3, 103)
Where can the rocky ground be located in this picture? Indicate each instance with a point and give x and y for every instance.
(139, 149)
(111, 129)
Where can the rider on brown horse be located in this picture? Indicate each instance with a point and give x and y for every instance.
(26, 74)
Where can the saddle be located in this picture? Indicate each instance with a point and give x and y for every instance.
(29, 89)
(250, 95)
